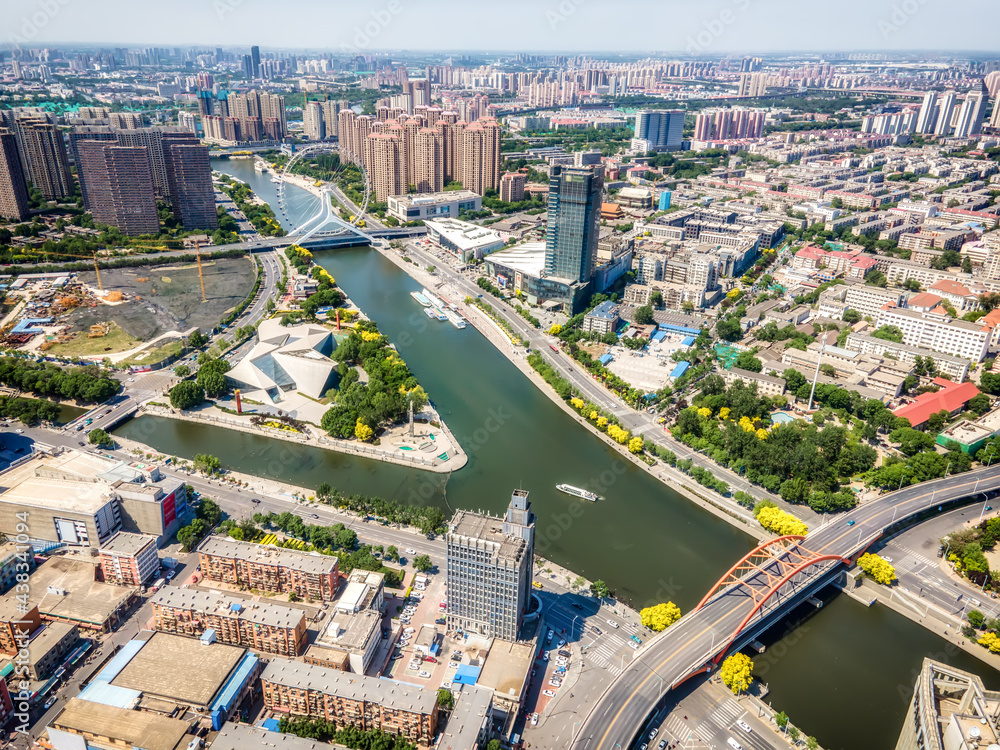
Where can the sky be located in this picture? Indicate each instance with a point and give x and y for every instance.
(708, 27)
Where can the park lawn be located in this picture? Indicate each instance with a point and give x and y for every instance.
(80, 345)
(153, 356)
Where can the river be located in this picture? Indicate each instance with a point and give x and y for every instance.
(841, 675)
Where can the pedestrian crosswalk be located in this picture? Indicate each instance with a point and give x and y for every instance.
(915, 555)
(725, 714)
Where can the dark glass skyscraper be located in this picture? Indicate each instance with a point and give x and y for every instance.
(574, 216)
(255, 60)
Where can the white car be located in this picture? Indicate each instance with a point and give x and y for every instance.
(612, 623)
(411, 552)
(744, 726)
(424, 674)
(555, 684)
(534, 719)
(633, 644)
(446, 684)
(549, 693)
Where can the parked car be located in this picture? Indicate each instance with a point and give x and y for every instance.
(549, 693)
(424, 674)
(431, 659)
(534, 719)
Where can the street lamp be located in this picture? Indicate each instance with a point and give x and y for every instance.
(993, 450)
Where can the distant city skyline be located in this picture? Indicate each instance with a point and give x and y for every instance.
(571, 26)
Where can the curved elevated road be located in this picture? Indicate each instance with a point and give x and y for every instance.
(691, 644)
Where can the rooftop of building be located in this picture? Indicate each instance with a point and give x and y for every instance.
(265, 554)
(447, 196)
(527, 257)
(143, 729)
(507, 668)
(944, 320)
(387, 693)
(243, 737)
(924, 299)
(758, 376)
(350, 631)
(467, 526)
(607, 310)
(67, 588)
(464, 235)
(46, 638)
(270, 613)
(153, 670)
(467, 718)
(950, 398)
(126, 543)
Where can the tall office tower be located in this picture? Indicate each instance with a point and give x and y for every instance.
(13, 190)
(574, 215)
(489, 562)
(345, 134)
(428, 162)
(662, 130)
(255, 61)
(312, 121)
(248, 67)
(995, 119)
(87, 133)
(481, 156)
(331, 117)
(973, 112)
(43, 155)
(189, 176)
(946, 108)
(119, 186)
(384, 162)
(927, 118)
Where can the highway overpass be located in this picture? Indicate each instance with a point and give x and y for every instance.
(759, 590)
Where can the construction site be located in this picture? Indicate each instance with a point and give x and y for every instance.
(121, 311)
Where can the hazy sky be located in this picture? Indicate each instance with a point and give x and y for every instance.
(701, 26)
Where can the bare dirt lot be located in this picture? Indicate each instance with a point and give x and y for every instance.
(168, 298)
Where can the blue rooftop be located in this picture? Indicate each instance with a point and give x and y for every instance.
(607, 310)
(244, 671)
(680, 369)
(658, 336)
(466, 674)
(679, 329)
(688, 341)
(605, 358)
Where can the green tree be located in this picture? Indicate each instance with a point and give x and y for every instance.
(980, 404)
(391, 553)
(422, 563)
(747, 361)
(209, 511)
(599, 589)
(644, 315)
(729, 329)
(186, 394)
(781, 719)
(976, 618)
(445, 699)
(182, 371)
(100, 438)
(207, 463)
(197, 340)
(937, 421)
(189, 536)
(851, 316)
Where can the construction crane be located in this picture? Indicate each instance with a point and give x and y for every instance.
(197, 255)
(93, 257)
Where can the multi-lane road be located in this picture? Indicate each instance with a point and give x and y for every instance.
(695, 640)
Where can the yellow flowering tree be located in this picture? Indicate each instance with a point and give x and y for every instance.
(762, 434)
(576, 403)
(880, 569)
(660, 617)
(619, 434)
(363, 432)
(991, 640)
(775, 519)
(747, 424)
(602, 422)
(737, 673)
(724, 413)
(370, 335)
(704, 412)
(635, 445)
(594, 414)
(556, 329)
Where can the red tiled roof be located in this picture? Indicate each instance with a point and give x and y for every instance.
(923, 299)
(950, 399)
(992, 318)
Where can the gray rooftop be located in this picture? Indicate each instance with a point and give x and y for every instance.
(126, 543)
(266, 554)
(468, 527)
(241, 737)
(388, 693)
(750, 375)
(467, 719)
(269, 613)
